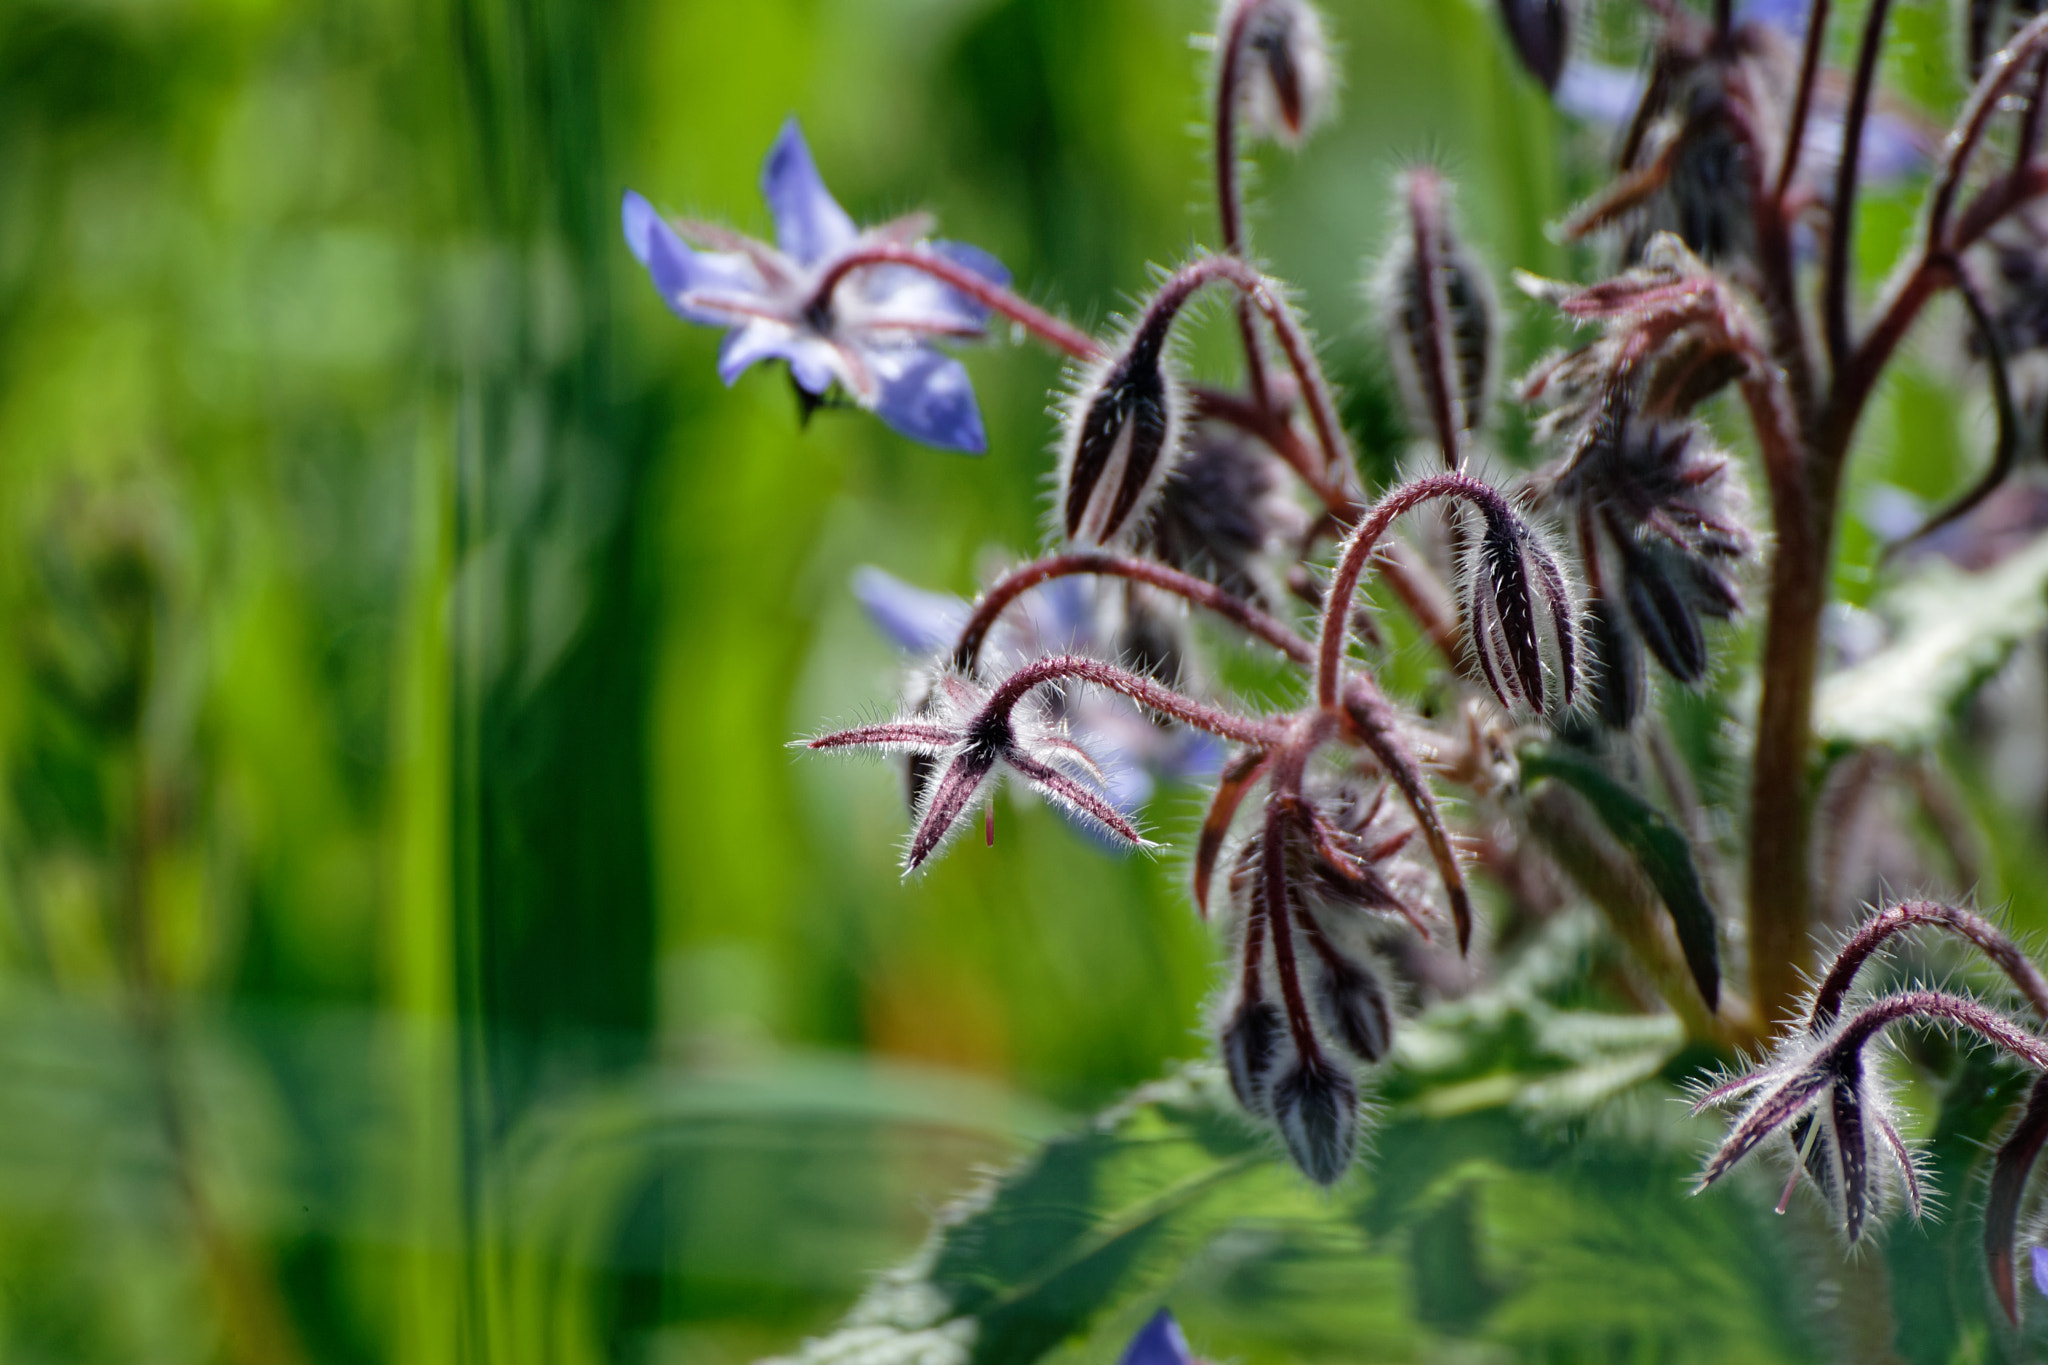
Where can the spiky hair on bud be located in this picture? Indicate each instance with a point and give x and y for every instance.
(1518, 605)
(1278, 56)
(1121, 437)
(1439, 311)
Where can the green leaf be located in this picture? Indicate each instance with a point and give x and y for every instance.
(1091, 1220)
(1954, 630)
(1660, 849)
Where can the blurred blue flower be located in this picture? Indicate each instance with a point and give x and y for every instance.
(2041, 1269)
(1159, 1342)
(1058, 617)
(871, 336)
(1895, 144)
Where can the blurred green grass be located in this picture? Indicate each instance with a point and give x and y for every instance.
(418, 944)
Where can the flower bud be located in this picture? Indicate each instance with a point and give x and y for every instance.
(1438, 310)
(1283, 70)
(1356, 1007)
(1225, 510)
(1541, 33)
(1123, 439)
(1520, 614)
(1254, 1045)
(1616, 667)
(1667, 591)
(1316, 1108)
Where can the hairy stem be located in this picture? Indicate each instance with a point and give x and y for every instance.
(1359, 548)
(1146, 692)
(1201, 592)
(1060, 335)
(1880, 928)
(1229, 198)
(1840, 262)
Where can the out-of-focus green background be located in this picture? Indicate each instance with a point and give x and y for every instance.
(416, 942)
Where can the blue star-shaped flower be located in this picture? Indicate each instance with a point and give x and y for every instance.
(870, 334)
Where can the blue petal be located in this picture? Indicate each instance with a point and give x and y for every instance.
(905, 294)
(927, 396)
(973, 258)
(1599, 93)
(1787, 15)
(809, 224)
(748, 345)
(1197, 757)
(677, 270)
(917, 620)
(1159, 1342)
(2041, 1269)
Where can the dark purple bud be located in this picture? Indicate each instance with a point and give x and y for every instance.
(1520, 615)
(1438, 308)
(1356, 1007)
(1316, 1108)
(1616, 665)
(1123, 436)
(1663, 611)
(1253, 1043)
(1541, 33)
(1852, 1145)
(1227, 505)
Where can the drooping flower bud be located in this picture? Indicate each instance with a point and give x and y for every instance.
(1123, 437)
(1437, 309)
(1616, 681)
(1315, 1107)
(1519, 612)
(1355, 1004)
(1254, 1046)
(1541, 33)
(1224, 512)
(1282, 66)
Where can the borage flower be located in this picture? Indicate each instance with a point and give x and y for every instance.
(971, 735)
(864, 327)
(1061, 616)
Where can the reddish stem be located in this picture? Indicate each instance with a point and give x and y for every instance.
(1888, 924)
(1049, 329)
(1201, 592)
(1351, 563)
(1140, 689)
(1229, 204)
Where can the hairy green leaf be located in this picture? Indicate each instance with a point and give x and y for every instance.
(1093, 1218)
(1954, 630)
(1659, 848)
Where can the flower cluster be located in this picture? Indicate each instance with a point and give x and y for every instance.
(1326, 846)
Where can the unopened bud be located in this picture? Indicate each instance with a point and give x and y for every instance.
(1316, 1108)
(1616, 667)
(1438, 311)
(1541, 33)
(1520, 615)
(1283, 67)
(1253, 1043)
(1357, 1008)
(1124, 431)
